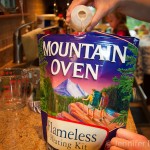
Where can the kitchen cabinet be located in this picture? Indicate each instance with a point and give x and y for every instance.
(7, 16)
(12, 8)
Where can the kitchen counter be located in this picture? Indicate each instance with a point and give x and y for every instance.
(130, 123)
(10, 64)
(22, 130)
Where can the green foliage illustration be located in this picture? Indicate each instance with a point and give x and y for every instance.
(120, 94)
(124, 87)
(125, 82)
(121, 119)
(46, 90)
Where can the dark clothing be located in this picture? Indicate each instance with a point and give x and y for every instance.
(96, 98)
(104, 101)
(121, 30)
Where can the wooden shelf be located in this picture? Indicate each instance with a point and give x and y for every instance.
(12, 15)
(6, 47)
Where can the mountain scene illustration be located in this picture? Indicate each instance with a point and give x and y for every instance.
(68, 88)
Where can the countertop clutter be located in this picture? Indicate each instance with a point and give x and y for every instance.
(22, 130)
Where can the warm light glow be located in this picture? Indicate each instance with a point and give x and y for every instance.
(68, 4)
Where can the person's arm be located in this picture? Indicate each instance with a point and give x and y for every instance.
(139, 9)
(127, 140)
(86, 99)
(102, 8)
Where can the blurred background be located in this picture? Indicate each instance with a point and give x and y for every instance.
(21, 20)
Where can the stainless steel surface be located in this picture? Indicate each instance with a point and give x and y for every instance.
(17, 44)
(22, 12)
(142, 92)
(34, 106)
(138, 92)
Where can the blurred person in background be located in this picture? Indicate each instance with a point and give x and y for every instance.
(143, 31)
(117, 21)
